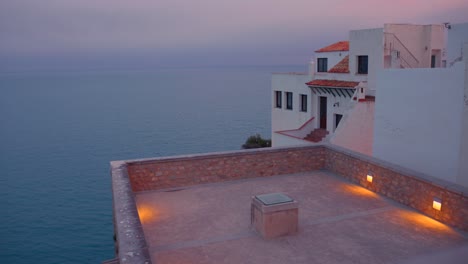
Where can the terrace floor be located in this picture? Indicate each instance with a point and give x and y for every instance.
(339, 222)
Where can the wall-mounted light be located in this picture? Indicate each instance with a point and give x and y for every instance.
(370, 177)
(337, 104)
(437, 203)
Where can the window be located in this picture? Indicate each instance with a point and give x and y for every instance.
(289, 100)
(278, 99)
(303, 98)
(362, 64)
(322, 65)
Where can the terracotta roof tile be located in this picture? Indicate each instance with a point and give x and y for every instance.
(341, 67)
(333, 83)
(338, 46)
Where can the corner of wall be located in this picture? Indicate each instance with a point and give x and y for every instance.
(462, 177)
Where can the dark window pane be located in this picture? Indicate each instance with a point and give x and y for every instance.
(278, 99)
(289, 102)
(322, 65)
(362, 64)
(303, 102)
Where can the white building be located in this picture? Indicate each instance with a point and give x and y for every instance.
(395, 93)
(340, 77)
(421, 115)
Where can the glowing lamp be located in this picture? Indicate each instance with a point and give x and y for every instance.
(437, 204)
(369, 178)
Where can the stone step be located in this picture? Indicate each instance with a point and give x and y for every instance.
(317, 135)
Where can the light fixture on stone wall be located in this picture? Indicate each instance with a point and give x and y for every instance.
(437, 203)
(370, 178)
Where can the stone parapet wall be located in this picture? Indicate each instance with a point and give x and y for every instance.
(130, 243)
(407, 187)
(182, 171)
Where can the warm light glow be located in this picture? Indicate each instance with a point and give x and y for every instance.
(369, 178)
(147, 213)
(437, 204)
(423, 221)
(357, 190)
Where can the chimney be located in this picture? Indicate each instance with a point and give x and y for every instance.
(312, 68)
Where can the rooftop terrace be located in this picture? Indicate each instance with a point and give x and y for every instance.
(196, 209)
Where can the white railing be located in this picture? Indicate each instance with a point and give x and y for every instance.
(393, 43)
(301, 132)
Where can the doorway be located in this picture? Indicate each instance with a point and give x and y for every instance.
(323, 112)
(435, 58)
(337, 120)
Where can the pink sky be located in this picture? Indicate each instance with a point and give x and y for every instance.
(268, 31)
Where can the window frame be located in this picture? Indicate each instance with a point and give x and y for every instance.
(289, 100)
(278, 99)
(322, 64)
(360, 67)
(303, 100)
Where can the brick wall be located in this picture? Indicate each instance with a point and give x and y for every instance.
(404, 186)
(189, 170)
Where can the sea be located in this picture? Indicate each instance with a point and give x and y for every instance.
(60, 130)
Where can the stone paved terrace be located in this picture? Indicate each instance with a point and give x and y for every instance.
(339, 222)
(196, 209)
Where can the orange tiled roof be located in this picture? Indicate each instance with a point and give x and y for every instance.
(341, 67)
(333, 83)
(338, 46)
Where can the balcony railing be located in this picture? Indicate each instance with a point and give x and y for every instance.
(393, 43)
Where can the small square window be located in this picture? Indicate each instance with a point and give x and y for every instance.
(363, 64)
(303, 98)
(278, 99)
(289, 100)
(322, 65)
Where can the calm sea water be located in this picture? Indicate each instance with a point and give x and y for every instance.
(58, 133)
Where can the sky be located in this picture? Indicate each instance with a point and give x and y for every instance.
(106, 34)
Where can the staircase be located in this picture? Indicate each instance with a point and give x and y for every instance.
(316, 135)
(393, 46)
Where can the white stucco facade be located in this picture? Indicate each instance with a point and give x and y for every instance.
(290, 121)
(417, 119)
(421, 118)
(356, 130)
(394, 46)
(457, 35)
(335, 106)
(366, 42)
(422, 41)
(332, 57)
(462, 177)
(282, 118)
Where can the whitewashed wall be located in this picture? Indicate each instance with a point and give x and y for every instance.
(419, 39)
(333, 59)
(418, 117)
(283, 119)
(367, 42)
(335, 105)
(356, 129)
(456, 36)
(462, 177)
